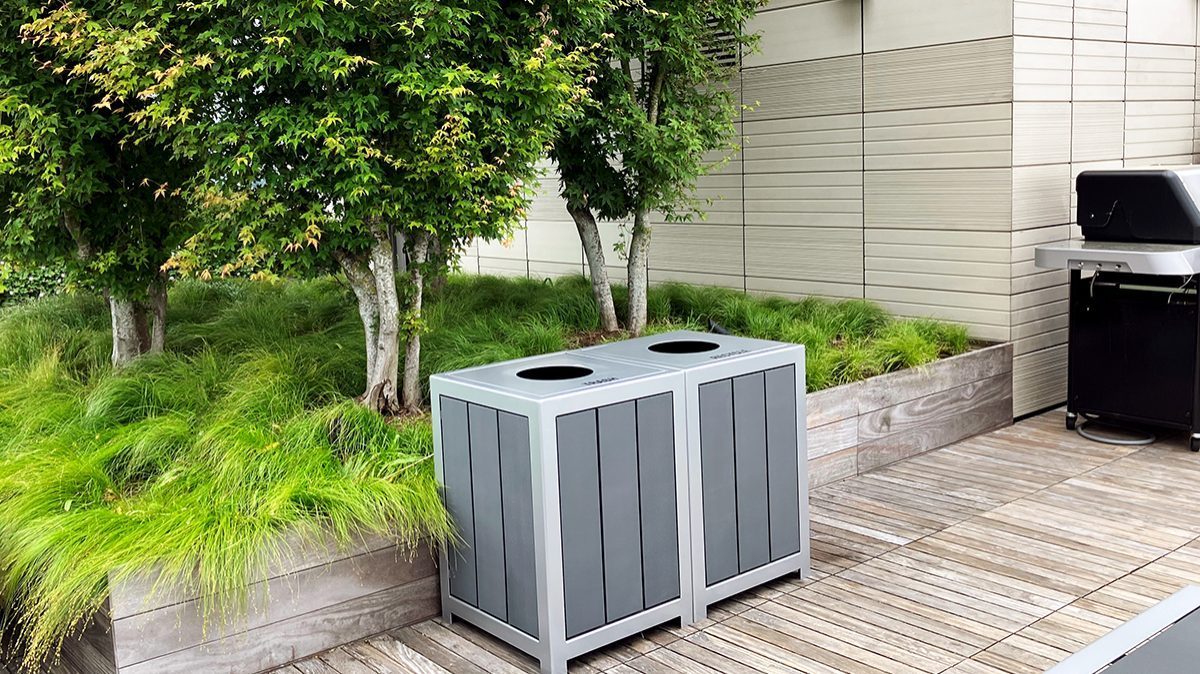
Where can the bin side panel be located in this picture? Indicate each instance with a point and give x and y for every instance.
(783, 457)
(579, 503)
(489, 511)
(750, 443)
(517, 484)
(456, 460)
(718, 486)
(659, 508)
(620, 510)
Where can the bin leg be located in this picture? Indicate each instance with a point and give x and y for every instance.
(1072, 419)
(554, 664)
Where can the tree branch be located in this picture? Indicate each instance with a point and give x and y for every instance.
(654, 101)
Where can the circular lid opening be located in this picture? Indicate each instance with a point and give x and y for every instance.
(554, 373)
(684, 346)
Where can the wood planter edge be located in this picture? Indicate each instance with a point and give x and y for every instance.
(869, 424)
(315, 598)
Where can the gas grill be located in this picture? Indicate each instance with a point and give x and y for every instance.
(1134, 336)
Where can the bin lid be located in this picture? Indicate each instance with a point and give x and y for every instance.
(685, 349)
(553, 375)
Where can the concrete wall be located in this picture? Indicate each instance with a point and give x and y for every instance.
(913, 152)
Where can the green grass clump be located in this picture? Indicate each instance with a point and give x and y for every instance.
(197, 460)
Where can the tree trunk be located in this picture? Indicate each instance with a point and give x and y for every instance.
(127, 340)
(638, 271)
(362, 282)
(382, 394)
(593, 247)
(412, 396)
(158, 314)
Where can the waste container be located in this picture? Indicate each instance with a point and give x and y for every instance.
(748, 456)
(567, 482)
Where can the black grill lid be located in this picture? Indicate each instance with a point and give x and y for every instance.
(1156, 205)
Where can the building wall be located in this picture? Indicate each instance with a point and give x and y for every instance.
(914, 152)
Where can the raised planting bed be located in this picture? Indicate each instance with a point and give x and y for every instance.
(312, 600)
(868, 424)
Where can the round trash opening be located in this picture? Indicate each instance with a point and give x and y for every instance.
(684, 346)
(554, 373)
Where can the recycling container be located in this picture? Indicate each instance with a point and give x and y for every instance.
(747, 455)
(566, 479)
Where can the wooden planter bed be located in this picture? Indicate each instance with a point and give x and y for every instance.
(868, 424)
(317, 600)
(310, 602)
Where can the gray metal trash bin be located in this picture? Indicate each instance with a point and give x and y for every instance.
(569, 490)
(748, 455)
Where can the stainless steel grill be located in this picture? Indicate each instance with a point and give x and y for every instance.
(1134, 332)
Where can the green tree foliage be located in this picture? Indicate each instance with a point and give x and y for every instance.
(79, 193)
(346, 131)
(662, 103)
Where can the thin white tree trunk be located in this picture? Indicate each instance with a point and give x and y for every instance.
(593, 248)
(638, 274)
(362, 282)
(412, 393)
(127, 340)
(382, 393)
(158, 314)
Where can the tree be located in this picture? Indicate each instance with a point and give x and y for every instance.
(346, 128)
(662, 102)
(79, 193)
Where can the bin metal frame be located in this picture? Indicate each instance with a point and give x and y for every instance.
(734, 357)
(542, 403)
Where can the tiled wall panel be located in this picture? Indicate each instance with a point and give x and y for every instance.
(903, 24)
(954, 74)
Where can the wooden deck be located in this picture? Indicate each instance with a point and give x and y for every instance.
(1003, 553)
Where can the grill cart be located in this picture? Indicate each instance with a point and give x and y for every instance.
(1134, 335)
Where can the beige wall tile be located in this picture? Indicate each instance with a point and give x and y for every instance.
(1041, 69)
(1045, 18)
(1162, 21)
(1100, 20)
(731, 281)
(554, 240)
(954, 74)
(901, 24)
(961, 199)
(1039, 379)
(803, 253)
(1097, 131)
(799, 288)
(807, 32)
(1041, 196)
(1098, 71)
(711, 249)
(1160, 73)
(825, 87)
(1041, 133)
(813, 199)
(1158, 129)
(804, 144)
(977, 136)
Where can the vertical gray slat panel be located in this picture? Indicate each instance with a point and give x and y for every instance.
(517, 487)
(750, 442)
(620, 510)
(456, 463)
(489, 511)
(660, 514)
(783, 457)
(718, 485)
(579, 501)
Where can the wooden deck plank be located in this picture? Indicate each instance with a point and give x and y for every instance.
(1001, 554)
